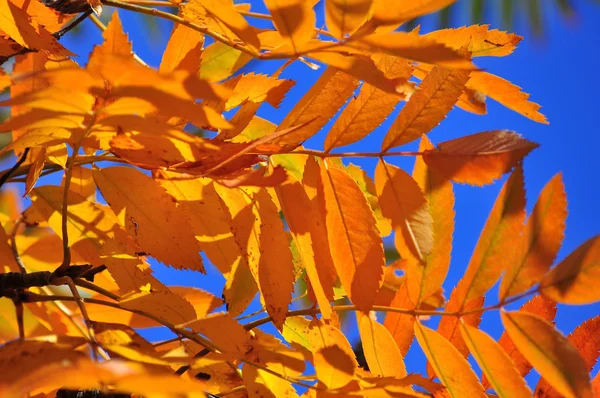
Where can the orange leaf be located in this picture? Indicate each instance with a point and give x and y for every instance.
(423, 281)
(495, 363)
(303, 220)
(320, 103)
(404, 11)
(224, 13)
(150, 216)
(492, 255)
(115, 42)
(576, 280)
(538, 246)
(401, 325)
(437, 94)
(381, 352)
(540, 306)
(550, 353)
(505, 93)
(344, 17)
(414, 47)
(334, 367)
(183, 51)
(34, 172)
(356, 247)
(403, 202)
(479, 158)
(369, 109)
(479, 40)
(450, 367)
(586, 339)
(295, 21)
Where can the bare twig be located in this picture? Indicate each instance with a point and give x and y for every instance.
(6, 175)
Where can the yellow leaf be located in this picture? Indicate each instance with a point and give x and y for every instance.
(576, 280)
(403, 202)
(343, 17)
(479, 40)
(303, 220)
(493, 253)
(414, 47)
(479, 158)
(295, 21)
(505, 93)
(240, 286)
(262, 384)
(381, 352)
(16, 23)
(334, 367)
(355, 244)
(437, 94)
(150, 216)
(320, 103)
(495, 363)
(538, 246)
(450, 367)
(323, 335)
(219, 61)
(38, 137)
(549, 352)
(369, 109)
(225, 332)
(115, 42)
(404, 11)
(423, 281)
(34, 172)
(207, 215)
(183, 51)
(82, 182)
(228, 15)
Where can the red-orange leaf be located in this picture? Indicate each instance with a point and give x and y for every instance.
(479, 40)
(479, 158)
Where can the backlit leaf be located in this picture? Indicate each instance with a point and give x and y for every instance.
(344, 17)
(183, 51)
(495, 363)
(334, 367)
(150, 216)
(295, 21)
(437, 94)
(356, 247)
(479, 40)
(401, 12)
(479, 158)
(381, 352)
(540, 242)
(403, 202)
(318, 105)
(550, 352)
(450, 367)
(219, 61)
(576, 279)
(505, 93)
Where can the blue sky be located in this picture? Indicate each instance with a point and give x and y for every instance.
(560, 71)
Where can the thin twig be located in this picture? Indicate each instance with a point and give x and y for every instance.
(13, 245)
(6, 175)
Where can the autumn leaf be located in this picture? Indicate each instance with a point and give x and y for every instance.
(149, 216)
(401, 325)
(356, 247)
(437, 94)
(404, 12)
(480, 40)
(550, 352)
(184, 50)
(450, 367)
(480, 158)
(541, 240)
(295, 21)
(403, 202)
(423, 281)
(495, 363)
(574, 279)
(344, 17)
(219, 61)
(381, 352)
